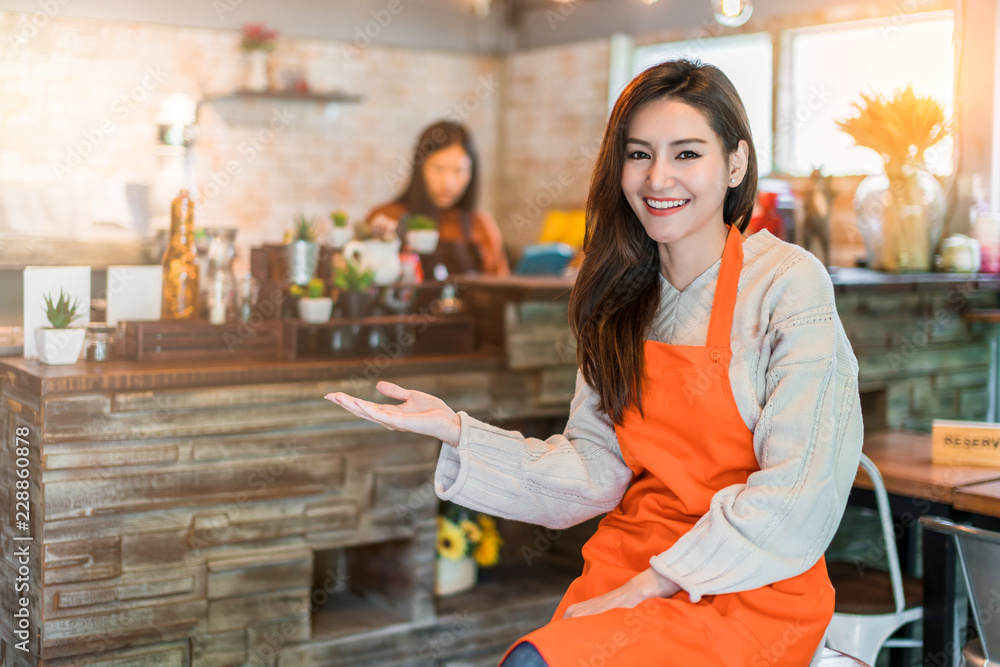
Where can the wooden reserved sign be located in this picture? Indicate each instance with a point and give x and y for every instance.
(965, 443)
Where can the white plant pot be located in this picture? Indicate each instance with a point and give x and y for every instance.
(255, 74)
(315, 310)
(423, 241)
(59, 346)
(454, 576)
(340, 236)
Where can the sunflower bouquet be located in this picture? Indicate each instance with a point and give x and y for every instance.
(463, 533)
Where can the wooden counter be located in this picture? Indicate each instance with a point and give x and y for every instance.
(226, 514)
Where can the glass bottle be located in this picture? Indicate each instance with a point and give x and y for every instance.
(218, 281)
(180, 263)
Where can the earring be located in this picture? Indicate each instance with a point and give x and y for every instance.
(732, 180)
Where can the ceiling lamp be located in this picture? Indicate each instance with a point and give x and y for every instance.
(732, 13)
(480, 8)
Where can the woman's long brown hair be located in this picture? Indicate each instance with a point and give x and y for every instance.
(617, 292)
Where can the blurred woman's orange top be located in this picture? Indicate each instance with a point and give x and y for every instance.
(479, 250)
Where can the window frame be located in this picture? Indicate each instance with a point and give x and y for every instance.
(782, 33)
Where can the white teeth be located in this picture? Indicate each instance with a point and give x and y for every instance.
(665, 204)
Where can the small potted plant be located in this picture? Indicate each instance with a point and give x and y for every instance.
(302, 250)
(421, 234)
(466, 541)
(354, 280)
(315, 308)
(257, 42)
(60, 343)
(341, 232)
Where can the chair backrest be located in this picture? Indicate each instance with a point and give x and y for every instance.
(831, 658)
(888, 533)
(979, 554)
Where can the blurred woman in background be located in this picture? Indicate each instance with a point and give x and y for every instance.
(444, 186)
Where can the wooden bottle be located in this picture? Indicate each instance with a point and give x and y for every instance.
(180, 263)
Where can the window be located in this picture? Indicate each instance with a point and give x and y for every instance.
(826, 70)
(748, 62)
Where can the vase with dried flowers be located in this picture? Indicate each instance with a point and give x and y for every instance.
(901, 211)
(257, 42)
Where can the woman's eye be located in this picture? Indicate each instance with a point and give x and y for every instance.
(687, 155)
(638, 155)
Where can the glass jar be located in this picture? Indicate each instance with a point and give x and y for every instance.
(901, 215)
(247, 291)
(99, 342)
(218, 259)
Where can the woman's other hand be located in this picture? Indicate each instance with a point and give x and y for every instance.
(418, 413)
(383, 227)
(647, 584)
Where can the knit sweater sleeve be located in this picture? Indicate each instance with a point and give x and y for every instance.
(808, 443)
(557, 482)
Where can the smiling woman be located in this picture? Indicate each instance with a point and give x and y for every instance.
(716, 419)
(671, 178)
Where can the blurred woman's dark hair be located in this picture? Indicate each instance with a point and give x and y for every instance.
(617, 291)
(439, 136)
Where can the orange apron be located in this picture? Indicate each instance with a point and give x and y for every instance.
(691, 444)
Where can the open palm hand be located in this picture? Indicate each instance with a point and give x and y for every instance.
(418, 413)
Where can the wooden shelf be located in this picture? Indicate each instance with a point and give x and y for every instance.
(509, 587)
(417, 334)
(478, 624)
(347, 614)
(286, 95)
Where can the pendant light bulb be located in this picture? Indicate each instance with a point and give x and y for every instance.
(732, 13)
(481, 8)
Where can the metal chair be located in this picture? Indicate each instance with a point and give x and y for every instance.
(871, 605)
(831, 658)
(978, 552)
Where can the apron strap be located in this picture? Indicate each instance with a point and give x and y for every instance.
(720, 325)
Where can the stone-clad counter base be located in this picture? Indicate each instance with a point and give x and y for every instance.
(179, 522)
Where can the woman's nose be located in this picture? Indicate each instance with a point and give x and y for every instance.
(660, 176)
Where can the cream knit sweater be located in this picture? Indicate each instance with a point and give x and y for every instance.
(794, 377)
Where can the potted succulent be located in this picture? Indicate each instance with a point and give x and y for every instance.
(302, 250)
(421, 234)
(60, 343)
(315, 308)
(466, 541)
(354, 280)
(341, 232)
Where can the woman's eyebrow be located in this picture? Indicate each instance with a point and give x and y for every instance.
(677, 142)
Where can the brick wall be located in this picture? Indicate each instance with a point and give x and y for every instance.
(552, 119)
(84, 94)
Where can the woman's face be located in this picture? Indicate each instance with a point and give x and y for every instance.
(676, 173)
(447, 173)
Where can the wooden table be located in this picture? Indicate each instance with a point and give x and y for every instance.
(982, 500)
(904, 459)
(918, 487)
